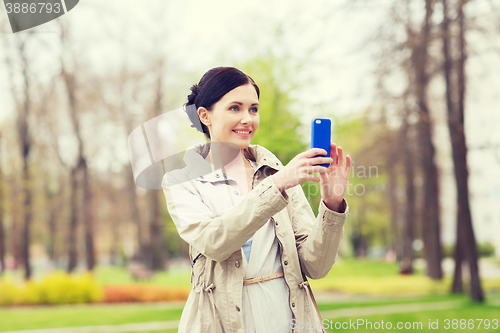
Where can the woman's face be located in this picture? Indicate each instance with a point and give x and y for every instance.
(234, 118)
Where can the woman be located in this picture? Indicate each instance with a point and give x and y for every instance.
(253, 238)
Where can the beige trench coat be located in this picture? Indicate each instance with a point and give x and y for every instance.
(202, 207)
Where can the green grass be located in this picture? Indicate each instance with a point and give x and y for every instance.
(89, 315)
(467, 311)
(85, 315)
(350, 267)
(371, 277)
(377, 301)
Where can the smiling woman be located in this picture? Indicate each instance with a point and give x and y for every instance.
(253, 238)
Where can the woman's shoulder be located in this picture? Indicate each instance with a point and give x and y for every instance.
(175, 177)
(262, 155)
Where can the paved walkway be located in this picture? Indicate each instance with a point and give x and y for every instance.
(330, 314)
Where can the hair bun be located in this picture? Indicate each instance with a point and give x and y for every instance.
(194, 93)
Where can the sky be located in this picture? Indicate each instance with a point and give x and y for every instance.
(197, 35)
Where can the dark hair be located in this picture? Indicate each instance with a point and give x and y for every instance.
(214, 84)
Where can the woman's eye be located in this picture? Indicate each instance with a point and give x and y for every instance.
(255, 110)
(232, 107)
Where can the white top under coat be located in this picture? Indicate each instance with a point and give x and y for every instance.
(265, 304)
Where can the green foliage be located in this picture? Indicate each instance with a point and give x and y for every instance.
(483, 250)
(278, 127)
(369, 205)
(486, 249)
(57, 288)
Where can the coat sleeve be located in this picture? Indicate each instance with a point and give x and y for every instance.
(317, 238)
(220, 236)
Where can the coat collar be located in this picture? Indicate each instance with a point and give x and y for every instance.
(201, 170)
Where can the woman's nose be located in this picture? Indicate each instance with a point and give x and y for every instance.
(246, 118)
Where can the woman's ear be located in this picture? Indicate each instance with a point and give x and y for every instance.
(204, 116)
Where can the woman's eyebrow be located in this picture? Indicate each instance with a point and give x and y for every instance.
(242, 103)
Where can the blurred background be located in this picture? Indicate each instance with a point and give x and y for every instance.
(413, 91)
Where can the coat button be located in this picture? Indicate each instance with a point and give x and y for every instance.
(276, 163)
(201, 177)
(237, 264)
(286, 262)
(276, 222)
(236, 192)
(237, 308)
(217, 176)
(293, 304)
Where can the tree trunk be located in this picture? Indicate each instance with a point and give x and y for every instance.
(51, 222)
(457, 286)
(73, 226)
(88, 217)
(158, 249)
(84, 178)
(391, 170)
(25, 140)
(16, 224)
(158, 244)
(466, 244)
(134, 212)
(407, 261)
(431, 218)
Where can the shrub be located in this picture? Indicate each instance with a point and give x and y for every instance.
(143, 293)
(483, 250)
(57, 288)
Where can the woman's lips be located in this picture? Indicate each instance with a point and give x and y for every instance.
(242, 134)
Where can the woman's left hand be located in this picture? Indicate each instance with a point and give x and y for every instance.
(333, 182)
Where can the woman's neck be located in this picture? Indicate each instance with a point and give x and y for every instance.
(241, 155)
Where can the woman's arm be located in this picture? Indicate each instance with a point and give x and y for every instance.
(317, 238)
(219, 237)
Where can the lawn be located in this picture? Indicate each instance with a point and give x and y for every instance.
(85, 315)
(88, 315)
(353, 284)
(453, 320)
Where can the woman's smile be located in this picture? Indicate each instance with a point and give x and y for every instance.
(244, 133)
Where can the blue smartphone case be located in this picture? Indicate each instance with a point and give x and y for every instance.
(321, 131)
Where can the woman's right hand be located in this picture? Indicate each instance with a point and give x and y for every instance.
(299, 169)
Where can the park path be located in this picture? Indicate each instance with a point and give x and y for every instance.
(354, 313)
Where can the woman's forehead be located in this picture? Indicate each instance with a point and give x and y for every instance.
(245, 94)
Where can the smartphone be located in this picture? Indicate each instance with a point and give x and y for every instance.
(321, 131)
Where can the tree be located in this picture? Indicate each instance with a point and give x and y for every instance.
(80, 171)
(156, 227)
(23, 105)
(419, 43)
(278, 127)
(410, 205)
(465, 247)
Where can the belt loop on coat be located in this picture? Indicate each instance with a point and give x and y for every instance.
(211, 296)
